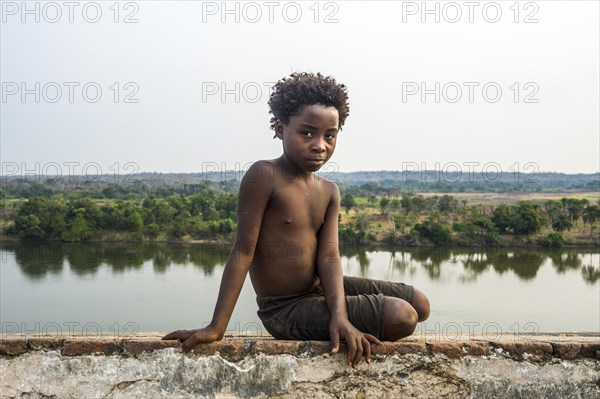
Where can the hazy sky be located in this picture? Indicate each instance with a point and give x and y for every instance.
(183, 86)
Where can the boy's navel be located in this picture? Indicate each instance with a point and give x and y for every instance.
(288, 221)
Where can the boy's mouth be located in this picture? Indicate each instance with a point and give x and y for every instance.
(316, 161)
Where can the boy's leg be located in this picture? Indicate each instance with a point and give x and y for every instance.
(307, 317)
(380, 309)
(303, 316)
(400, 319)
(365, 286)
(386, 317)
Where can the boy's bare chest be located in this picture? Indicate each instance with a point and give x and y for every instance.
(293, 207)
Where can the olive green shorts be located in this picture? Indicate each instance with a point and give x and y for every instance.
(305, 316)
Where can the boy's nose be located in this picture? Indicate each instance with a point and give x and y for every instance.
(318, 145)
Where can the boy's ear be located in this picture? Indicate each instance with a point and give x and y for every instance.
(279, 130)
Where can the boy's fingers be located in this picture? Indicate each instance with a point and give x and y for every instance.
(373, 339)
(358, 354)
(173, 335)
(367, 347)
(189, 343)
(351, 350)
(334, 334)
(335, 343)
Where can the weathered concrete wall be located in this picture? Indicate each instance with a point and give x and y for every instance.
(255, 367)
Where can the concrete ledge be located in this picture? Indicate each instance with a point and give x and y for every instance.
(540, 348)
(141, 365)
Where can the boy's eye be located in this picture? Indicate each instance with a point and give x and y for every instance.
(330, 136)
(307, 134)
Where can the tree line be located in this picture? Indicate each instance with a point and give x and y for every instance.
(443, 220)
(363, 184)
(208, 214)
(204, 215)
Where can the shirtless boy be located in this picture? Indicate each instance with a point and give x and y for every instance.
(287, 238)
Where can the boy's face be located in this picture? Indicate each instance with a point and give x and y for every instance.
(310, 136)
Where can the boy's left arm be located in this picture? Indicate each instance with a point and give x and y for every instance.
(329, 267)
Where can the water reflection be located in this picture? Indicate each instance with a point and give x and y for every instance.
(590, 274)
(564, 261)
(361, 257)
(37, 260)
(432, 260)
(525, 263)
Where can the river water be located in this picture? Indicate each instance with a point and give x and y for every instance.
(124, 288)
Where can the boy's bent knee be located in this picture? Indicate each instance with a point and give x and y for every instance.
(421, 305)
(400, 319)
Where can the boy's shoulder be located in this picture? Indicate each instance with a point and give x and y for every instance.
(261, 171)
(329, 185)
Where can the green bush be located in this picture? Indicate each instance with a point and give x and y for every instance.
(502, 217)
(554, 240)
(9, 229)
(199, 228)
(221, 227)
(152, 231)
(526, 219)
(79, 230)
(459, 227)
(493, 239)
(349, 235)
(433, 231)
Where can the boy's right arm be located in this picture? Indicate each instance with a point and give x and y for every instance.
(254, 194)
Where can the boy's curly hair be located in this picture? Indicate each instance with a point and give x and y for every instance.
(300, 89)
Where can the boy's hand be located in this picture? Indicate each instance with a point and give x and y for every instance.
(191, 338)
(358, 342)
